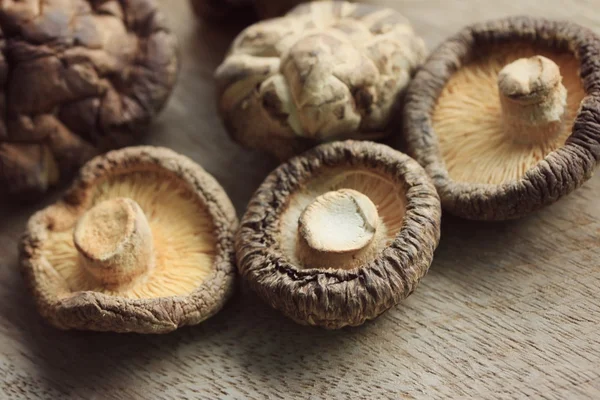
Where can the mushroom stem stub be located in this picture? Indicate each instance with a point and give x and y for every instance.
(336, 227)
(114, 241)
(533, 99)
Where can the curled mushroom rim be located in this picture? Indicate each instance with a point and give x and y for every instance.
(560, 172)
(103, 312)
(256, 241)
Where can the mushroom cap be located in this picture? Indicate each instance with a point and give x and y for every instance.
(453, 116)
(269, 248)
(326, 70)
(192, 223)
(78, 77)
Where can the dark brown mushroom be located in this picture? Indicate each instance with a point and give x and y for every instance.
(76, 78)
(142, 242)
(505, 116)
(340, 234)
(325, 71)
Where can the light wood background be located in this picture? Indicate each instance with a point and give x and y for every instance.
(508, 310)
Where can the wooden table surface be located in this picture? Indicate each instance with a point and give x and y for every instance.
(508, 310)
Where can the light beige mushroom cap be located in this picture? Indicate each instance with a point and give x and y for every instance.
(326, 70)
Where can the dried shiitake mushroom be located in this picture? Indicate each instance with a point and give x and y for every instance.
(142, 242)
(340, 234)
(325, 71)
(78, 77)
(505, 116)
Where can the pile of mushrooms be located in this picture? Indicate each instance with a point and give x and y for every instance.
(502, 119)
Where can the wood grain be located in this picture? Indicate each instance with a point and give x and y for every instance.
(508, 310)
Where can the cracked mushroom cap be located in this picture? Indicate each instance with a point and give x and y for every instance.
(142, 242)
(504, 116)
(77, 77)
(325, 71)
(340, 234)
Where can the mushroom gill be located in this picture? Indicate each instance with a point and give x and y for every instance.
(341, 219)
(162, 210)
(503, 112)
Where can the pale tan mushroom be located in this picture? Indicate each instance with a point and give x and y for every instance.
(325, 71)
(142, 242)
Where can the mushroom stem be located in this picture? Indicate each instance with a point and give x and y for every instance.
(533, 99)
(337, 230)
(114, 242)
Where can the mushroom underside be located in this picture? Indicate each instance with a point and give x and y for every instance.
(349, 236)
(477, 142)
(182, 236)
(337, 236)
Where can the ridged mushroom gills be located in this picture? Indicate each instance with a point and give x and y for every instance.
(340, 234)
(324, 71)
(141, 243)
(504, 116)
(78, 78)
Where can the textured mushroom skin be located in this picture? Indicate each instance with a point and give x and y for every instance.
(326, 70)
(560, 172)
(100, 312)
(335, 298)
(77, 78)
